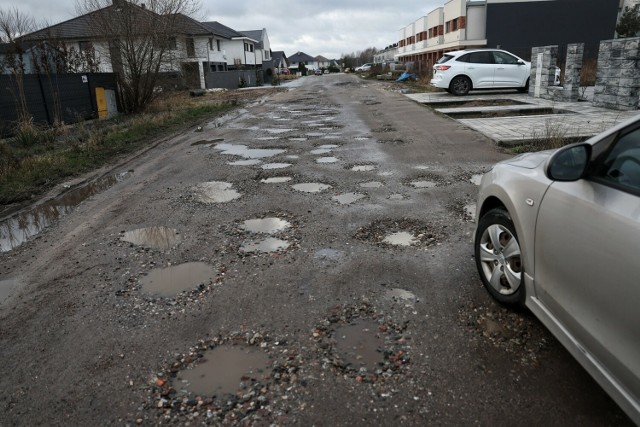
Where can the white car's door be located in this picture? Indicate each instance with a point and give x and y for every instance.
(480, 68)
(509, 71)
(587, 258)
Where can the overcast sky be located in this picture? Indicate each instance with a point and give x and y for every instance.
(316, 27)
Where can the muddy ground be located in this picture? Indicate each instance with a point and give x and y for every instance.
(320, 275)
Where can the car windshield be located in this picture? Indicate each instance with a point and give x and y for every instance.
(444, 59)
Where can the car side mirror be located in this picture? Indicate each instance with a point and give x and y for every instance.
(520, 63)
(569, 163)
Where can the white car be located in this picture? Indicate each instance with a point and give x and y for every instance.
(364, 67)
(460, 71)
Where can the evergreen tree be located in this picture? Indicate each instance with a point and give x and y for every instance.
(629, 24)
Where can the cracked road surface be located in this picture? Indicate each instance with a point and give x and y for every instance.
(306, 261)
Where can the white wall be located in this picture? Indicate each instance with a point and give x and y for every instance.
(476, 22)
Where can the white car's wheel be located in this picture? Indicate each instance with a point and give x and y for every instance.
(499, 258)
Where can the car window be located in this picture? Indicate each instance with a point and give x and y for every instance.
(504, 58)
(444, 59)
(464, 58)
(481, 57)
(620, 166)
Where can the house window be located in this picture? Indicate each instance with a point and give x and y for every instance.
(191, 48)
(85, 46)
(250, 48)
(218, 45)
(210, 43)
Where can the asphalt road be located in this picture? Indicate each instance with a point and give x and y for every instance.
(357, 304)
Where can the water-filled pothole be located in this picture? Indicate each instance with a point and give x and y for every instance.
(248, 153)
(327, 160)
(248, 162)
(320, 151)
(21, 227)
(402, 296)
(267, 245)
(348, 198)
(360, 345)
(215, 192)
(276, 180)
(311, 187)
(207, 141)
(265, 225)
(170, 281)
(224, 370)
(423, 233)
(161, 238)
(327, 146)
(276, 165)
(363, 168)
(423, 184)
(400, 238)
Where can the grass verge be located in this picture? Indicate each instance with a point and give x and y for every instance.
(35, 159)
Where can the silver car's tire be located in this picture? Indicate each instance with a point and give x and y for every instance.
(460, 85)
(499, 257)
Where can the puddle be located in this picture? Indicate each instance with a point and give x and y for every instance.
(360, 345)
(6, 287)
(320, 151)
(21, 227)
(276, 180)
(400, 238)
(332, 137)
(276, 165)
(315, 134)
(215, 192)
(361, 138)
(328, 146)
(327, 160)
(328, 254)
(311, 187)
(222, 370)
(348, 198)
(248, 153)
(293, 157)
(476, 179)
(249, 162)
(161, 238)
(277, 131)
(170, 281)
(423, 184)
(470, 210)
(267, 138)
(298, 139)
(207, 141)
(265, 225)
(386, 173)
(371, 184)
(267, 245)
(422, 167)
(396, 197)
(402, 296)
(363, 168)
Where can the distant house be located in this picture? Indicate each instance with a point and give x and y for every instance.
(263, 46)
(238, 49)
(302, 58)
(322, 62)
(279, 61)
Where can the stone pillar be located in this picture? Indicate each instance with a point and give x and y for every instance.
(575, 54)
(543, 70)
(618, 76)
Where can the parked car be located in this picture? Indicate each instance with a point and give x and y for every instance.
(559, 231)
(318, 72)
(364, 67)
(460, 71)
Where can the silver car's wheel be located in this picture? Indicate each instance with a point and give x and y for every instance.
(460, 85)
(498, 257)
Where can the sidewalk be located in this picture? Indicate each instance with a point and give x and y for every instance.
(574, 119)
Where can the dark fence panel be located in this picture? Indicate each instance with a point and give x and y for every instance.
(232, 79)
(66, 97)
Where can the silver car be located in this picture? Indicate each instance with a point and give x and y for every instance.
(559, 231)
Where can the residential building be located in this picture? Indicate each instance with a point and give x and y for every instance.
(385, 55)
(279, 61)
(262, 47)
(302, 58)
(514, 25)
(238, 49)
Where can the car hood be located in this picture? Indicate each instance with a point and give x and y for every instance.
(530, 160)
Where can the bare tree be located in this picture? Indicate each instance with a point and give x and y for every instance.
(13, 25)
(140, 39)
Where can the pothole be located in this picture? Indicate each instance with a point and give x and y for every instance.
(327, 160)
(423, 234)
(170, 281)
(224, 370)
(401, 296)
(397, 197)
(215, 192)
(276, 131)
(265, 225)
(311, 187)
(249, 162)
(361, 344)
(269, 166)
(428, 180)
(423, 184)
(363, 168)
(396, 141)
(276, 180)
(207, 141)
(327, 146)
(385, 128)
(270, 244)
(246, 152)
(386, 173)
(400, 238)
(320, 151)
(161, 238)
(348, 198)
(371, 184)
